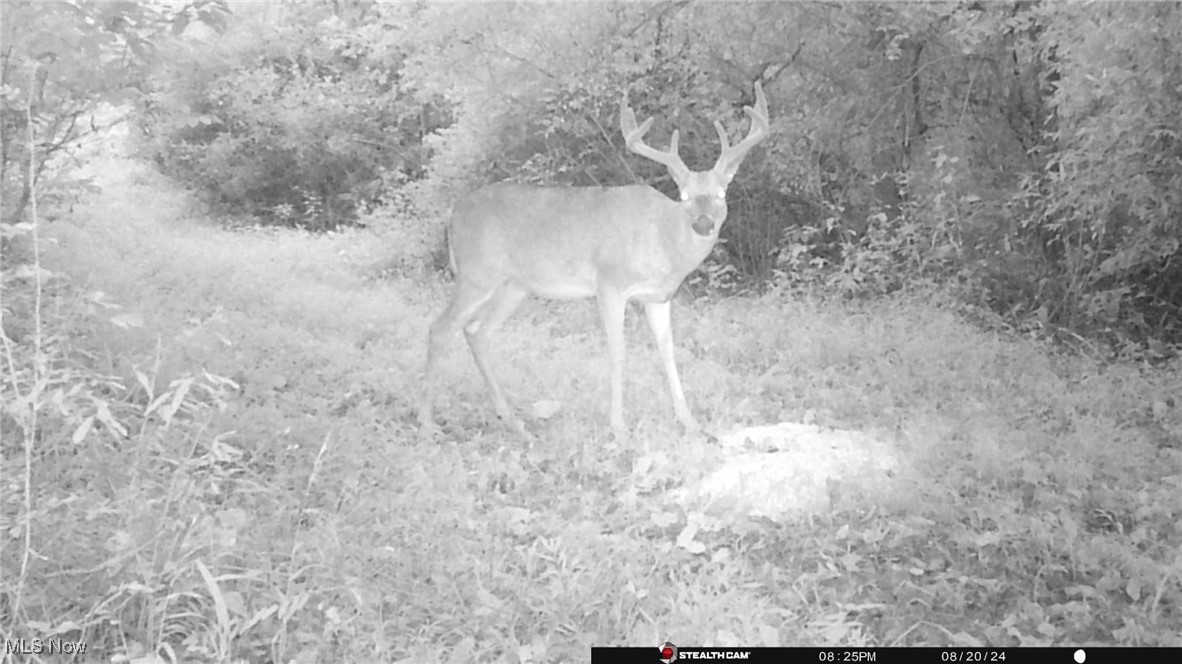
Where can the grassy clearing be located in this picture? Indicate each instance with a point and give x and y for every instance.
(296, 517)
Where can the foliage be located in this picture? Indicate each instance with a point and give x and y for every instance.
(68, 58)
(305, 122)
(981, 131)
(1105, 203)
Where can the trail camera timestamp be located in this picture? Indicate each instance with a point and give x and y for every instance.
(973, 655)
(846, 655)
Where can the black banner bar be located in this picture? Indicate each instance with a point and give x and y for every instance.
(1080, 655)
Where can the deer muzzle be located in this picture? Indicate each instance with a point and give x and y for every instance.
(704, 225)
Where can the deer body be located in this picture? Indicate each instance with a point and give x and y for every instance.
(578, 246)
(508, 241)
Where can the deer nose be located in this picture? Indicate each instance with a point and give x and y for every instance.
(703, 225)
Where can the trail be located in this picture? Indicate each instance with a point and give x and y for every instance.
(265, 306)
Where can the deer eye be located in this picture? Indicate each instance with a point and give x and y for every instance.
(722, 194)
(685, 196)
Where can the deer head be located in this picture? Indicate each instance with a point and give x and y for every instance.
(704, 191)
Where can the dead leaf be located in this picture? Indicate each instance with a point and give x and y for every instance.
(545, 409)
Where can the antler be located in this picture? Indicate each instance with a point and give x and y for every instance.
(728, 162)
(633, 138)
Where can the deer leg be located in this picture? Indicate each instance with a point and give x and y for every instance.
(466, 302)
(658, 321)
(612, 307)
(494, 314)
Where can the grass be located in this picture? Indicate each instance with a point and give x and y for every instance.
(294, 516)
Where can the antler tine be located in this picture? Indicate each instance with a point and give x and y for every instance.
(634, 139)
(722, 135)
(732, 156)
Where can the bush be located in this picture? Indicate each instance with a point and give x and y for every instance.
(310, 127)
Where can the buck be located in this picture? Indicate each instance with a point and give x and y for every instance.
(617, 244)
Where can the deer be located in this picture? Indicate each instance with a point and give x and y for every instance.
(617, 244)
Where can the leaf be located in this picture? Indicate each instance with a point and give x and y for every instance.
(1133, 588)
(100, 298)
(966, 640)
(215, 592)
(214, 16)
(13, 230)
(126, 321)
(62, 628)
(144, 50)
(663, 519)
(144, 382)
(259, 616)
(769, 636)
(488, 599)
(1081, 591)
(234, 603)
(642, 465)
(686, 539)
(82, 430)
(233, 518)
(104, 415)
(27, 271)
(1160, 410)
(157, 402)
(181, 388)
(545, 409)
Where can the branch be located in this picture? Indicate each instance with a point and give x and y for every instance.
(658, 11)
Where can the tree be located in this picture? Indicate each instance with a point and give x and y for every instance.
(69, 57)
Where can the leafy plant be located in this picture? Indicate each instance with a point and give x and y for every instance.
(310, 127)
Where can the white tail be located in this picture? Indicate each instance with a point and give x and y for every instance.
(613, 243)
